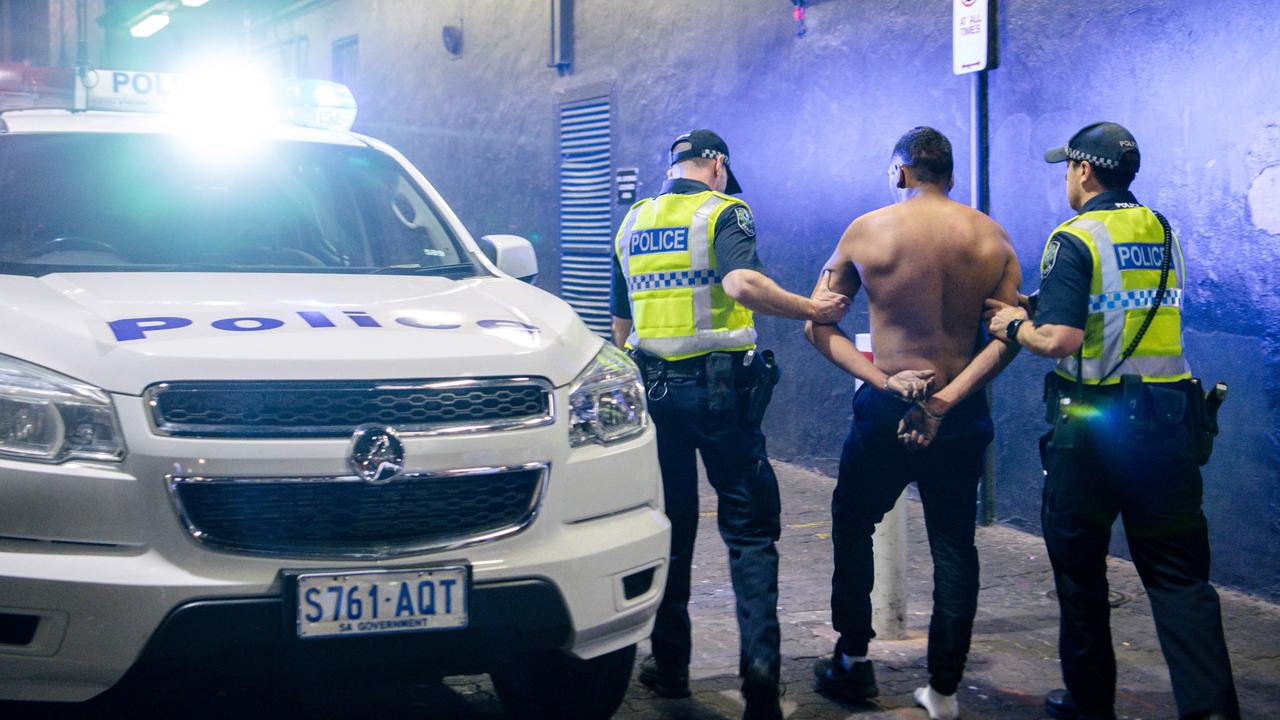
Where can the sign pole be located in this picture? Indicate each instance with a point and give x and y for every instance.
(980, 198)
(975, 51)
(979, 190)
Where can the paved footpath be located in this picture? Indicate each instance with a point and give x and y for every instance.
(1012, 665)
(1013, 662)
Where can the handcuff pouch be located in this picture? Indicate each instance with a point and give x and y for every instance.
(765, 373)
(720, 383)
(1063, 412)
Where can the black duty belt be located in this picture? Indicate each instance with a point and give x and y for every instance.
(1133, 405)
(694, 368)
(725, 374)
(1057, 386)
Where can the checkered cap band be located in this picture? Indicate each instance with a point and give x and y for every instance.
(710, 154)
(674, 279)
(1133, 299)
(1080, 156)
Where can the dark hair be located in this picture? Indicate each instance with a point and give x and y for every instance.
(1118, 178)
(928, 153)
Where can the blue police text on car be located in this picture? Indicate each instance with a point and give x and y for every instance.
(138, 328)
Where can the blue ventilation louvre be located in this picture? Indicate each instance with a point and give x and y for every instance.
(586, 239)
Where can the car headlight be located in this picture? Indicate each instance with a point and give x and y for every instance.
(47, 417)
(606, 401)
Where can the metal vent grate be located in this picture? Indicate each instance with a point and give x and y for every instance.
(586, 240)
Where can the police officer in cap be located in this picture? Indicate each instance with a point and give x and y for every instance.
(1127, 419)
(686, 280)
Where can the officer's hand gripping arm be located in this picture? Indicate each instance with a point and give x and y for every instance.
(760, 294)
(1048, 340)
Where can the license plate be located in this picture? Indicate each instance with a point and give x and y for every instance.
(375, 601)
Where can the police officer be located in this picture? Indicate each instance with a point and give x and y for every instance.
(1127, 416)
(686, 279)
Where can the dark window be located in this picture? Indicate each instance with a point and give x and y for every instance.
(97, 201)
(24, 32)
(346, 61)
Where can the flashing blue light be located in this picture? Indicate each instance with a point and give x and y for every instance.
(319, 104)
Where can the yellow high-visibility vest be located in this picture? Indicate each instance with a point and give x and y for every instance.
(665, 248)
(1127, 247)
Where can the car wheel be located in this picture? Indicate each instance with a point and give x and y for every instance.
(538, 686)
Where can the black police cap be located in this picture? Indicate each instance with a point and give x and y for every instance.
(705, 144)
(1103, 144)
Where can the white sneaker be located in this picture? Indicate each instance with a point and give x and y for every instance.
(939, 706)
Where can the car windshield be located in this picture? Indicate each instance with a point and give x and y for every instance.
(94, 202)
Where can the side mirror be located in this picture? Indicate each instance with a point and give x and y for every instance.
(512, 254)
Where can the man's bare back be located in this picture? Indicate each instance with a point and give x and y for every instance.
(927, 265)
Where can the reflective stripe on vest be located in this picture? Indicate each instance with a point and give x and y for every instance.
(1120, 298)
(675, 279)
(679, 309)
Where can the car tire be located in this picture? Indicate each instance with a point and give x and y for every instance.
(540, 686)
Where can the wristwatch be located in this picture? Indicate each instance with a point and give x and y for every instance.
(1011, 330)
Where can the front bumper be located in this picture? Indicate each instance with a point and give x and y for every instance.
(99, 613)
(100, 557)
(244, 636)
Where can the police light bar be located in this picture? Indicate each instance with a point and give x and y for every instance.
(23, 87)
(309, 103)
(318, 104)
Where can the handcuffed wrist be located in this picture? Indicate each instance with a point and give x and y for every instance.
(924, 408)
(937, 406)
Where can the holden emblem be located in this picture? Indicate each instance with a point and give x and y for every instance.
(377, 455)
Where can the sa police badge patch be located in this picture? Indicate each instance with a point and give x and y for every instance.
(745, 221)
(1050, 257)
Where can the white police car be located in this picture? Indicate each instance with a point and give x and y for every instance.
(265, 404)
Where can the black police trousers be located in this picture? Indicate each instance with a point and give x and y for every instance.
(1150, 478)
(747, 511)
(874, 470)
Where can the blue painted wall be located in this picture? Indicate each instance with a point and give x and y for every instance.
(1196, 83)
(811, 121)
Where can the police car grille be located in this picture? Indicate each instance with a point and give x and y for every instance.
(347, 517)
(311, 409)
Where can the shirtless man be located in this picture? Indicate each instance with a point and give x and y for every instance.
(927, 264)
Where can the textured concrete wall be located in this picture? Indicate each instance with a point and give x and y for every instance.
(811, 121)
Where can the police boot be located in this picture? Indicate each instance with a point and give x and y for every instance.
(664, 681)
(1060, 705)
(856, 684)
(762, 701)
